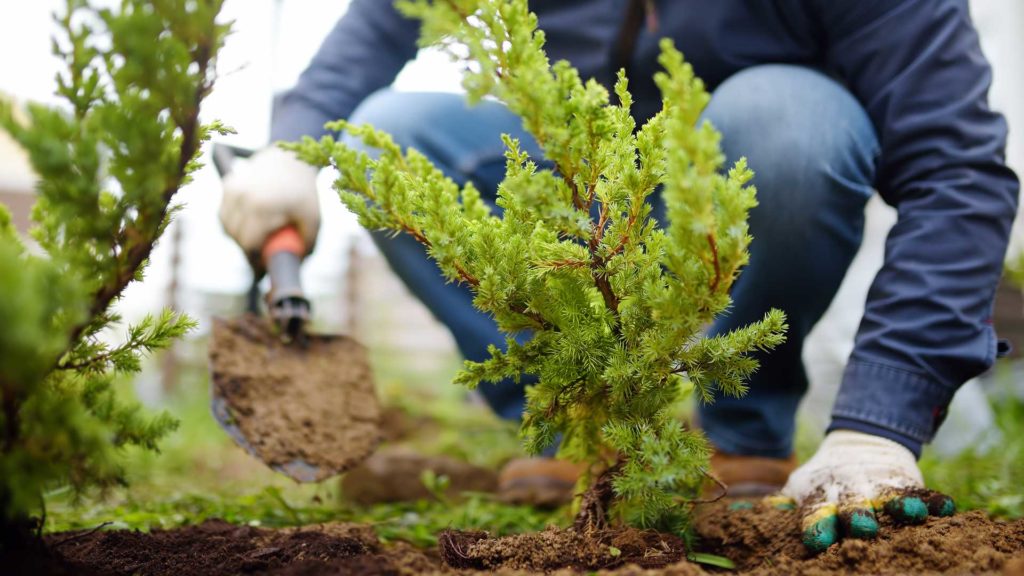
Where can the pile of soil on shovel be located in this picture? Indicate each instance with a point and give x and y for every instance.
(760, 541)
(308, 403)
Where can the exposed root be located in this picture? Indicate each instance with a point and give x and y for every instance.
(593, 514)
(455, 544)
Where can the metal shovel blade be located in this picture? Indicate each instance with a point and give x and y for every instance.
(308, 411)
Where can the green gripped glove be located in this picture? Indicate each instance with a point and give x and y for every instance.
(852, 478)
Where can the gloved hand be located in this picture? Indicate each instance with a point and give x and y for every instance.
(850, 478)
(265, 193)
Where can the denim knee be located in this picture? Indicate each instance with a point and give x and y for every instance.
(812, 148)
(813, 151)
(803, 134)
(403, 115)
(464, 141)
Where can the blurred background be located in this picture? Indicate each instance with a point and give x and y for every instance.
(198, 269)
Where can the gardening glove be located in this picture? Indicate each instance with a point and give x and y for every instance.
(265, 193)
(849, 479)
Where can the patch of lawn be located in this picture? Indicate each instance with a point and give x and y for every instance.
(991, 480)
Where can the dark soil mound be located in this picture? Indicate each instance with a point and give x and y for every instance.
(217, 548)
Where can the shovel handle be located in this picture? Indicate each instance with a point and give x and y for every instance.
(286, 239)
(282, 255)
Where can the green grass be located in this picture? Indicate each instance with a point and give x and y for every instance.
(992, 480)
(274, 507)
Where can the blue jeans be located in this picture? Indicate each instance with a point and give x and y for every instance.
(813, 150)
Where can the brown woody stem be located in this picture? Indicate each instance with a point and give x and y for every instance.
(593, 514)
(141, 242)
(714, 259)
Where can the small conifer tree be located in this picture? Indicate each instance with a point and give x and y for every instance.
(109, 163)
(614, 305)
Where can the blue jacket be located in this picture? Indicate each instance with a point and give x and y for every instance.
(917, 68)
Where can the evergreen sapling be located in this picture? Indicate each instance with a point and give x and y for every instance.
(109, 163)
(605, 306)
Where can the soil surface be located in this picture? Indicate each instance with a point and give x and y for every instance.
(216, 548)
(555, 549)
(764, 541)
(309, 410)
(760, 541)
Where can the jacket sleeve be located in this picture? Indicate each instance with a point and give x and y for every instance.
(918, 69)
(363, 53)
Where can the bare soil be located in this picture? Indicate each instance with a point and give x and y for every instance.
(309, 410)
(764, 541)
(556, 549)
(761, 541)
(216, 548)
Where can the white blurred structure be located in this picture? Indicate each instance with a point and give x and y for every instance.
(271, 42)
(16, 180)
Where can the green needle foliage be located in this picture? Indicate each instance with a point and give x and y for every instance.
(610, 308)
(109, 163)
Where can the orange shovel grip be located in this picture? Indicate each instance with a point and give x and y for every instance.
(286, 239)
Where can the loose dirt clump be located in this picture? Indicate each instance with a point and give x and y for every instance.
(309, 409)
(555, 549)
(763, 541)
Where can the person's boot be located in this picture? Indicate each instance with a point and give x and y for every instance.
(541, 482)
(548, 482)
(394, 474)
(750, 475)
